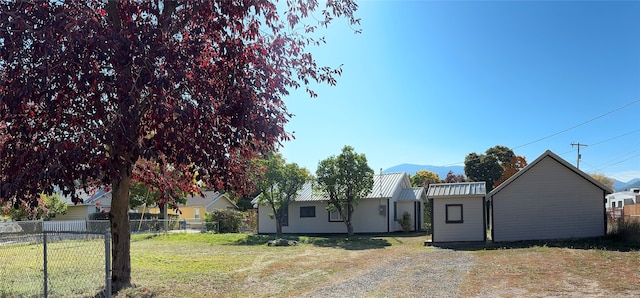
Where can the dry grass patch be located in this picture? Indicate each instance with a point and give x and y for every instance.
(553, 271)
(235, 265)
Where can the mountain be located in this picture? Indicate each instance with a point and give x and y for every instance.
(622, 186)
(413, 168)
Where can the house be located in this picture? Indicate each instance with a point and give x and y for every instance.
(457, 211)
(196, 206)
(548, 199)
(615, 203)
(99, 201)
(378, 212)
(620, 199)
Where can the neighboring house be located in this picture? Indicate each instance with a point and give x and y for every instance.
(548, 199)
(620, 199)
(378, 212)
(100, 201)
(457, 211)
(196, 206)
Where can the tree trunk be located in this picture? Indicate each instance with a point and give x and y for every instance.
(277, 214)
(349, 228)
(278, 223)
(165, 217)
(279, 228)
(120, 233)
(348, 220)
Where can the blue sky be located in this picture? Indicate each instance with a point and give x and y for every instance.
(428, 82)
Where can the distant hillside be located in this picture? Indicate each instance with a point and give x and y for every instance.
(622, 186)
(412, 169)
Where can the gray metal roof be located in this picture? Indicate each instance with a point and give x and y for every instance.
(411, 194)
(457, 189)
(307, 194)
(384, 186)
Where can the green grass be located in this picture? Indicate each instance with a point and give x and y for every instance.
(75, 269)
(236, 265)
(233, 264)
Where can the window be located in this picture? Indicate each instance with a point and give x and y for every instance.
(454, 213)
(197, 213)
(334, 216)
(308, 211)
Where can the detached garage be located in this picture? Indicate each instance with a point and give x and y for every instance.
(548, 199)
(457, 211)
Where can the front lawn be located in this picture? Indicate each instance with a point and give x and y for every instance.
(242, 265)
(232, 265)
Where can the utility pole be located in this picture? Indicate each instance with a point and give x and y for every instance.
(579, 155)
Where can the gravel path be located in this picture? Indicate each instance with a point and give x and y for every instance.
(436, 273)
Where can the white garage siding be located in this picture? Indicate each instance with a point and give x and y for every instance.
(470, 229)
(550, 199)
(457, 212)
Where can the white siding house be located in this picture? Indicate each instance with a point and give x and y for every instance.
(619, 199)
(457, 211)
(390, 197)
(548, 199)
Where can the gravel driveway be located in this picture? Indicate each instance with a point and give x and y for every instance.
(434, 273)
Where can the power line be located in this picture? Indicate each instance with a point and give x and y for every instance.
(574, 150)
(600, 169)
(616, 161)
(578, 125)
(604, 141)
(573, 127)
(616, 137)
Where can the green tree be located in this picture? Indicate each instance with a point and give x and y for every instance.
(48, 207)
(498, 164)
(502, 153)
(279, 185)
(602, 178)
(482, 168)
(423, 178)
(344, 179)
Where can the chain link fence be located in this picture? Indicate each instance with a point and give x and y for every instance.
(41, 260)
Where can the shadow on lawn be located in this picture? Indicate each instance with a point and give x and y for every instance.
(597, 243)
(356, 242)
(351, 243)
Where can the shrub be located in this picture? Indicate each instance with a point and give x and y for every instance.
(251, 216)
(405, 222)
(628, 231)
(223, 221)
(99, 216)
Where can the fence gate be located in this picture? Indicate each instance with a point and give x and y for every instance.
(41, 263)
